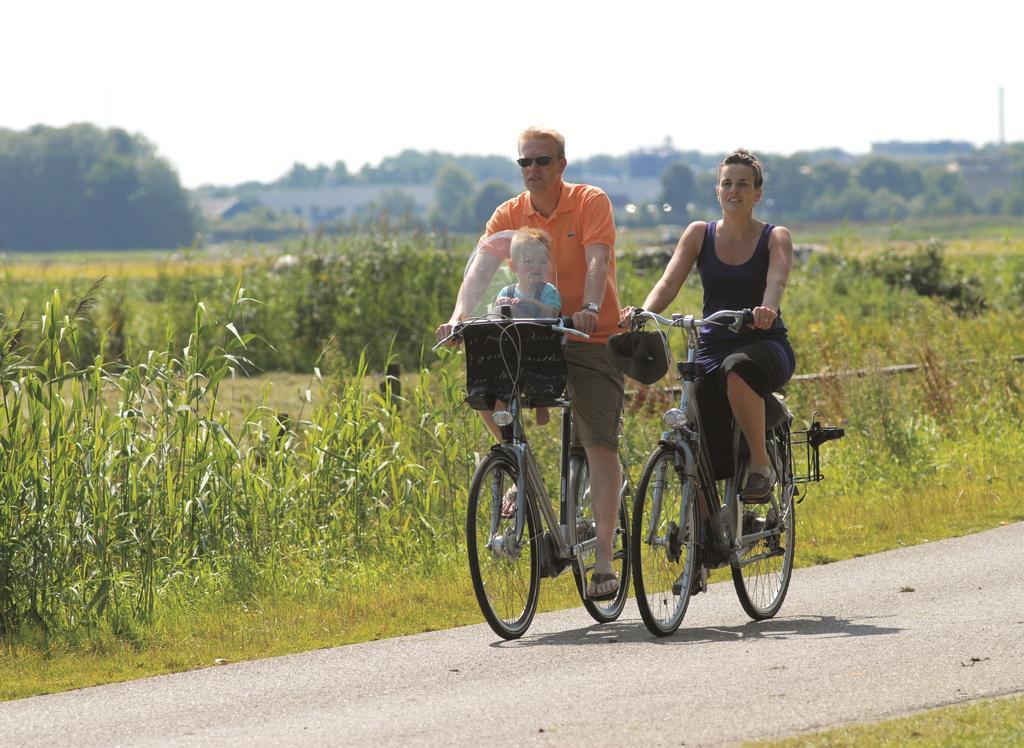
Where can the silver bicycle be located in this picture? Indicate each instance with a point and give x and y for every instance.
(514, 534)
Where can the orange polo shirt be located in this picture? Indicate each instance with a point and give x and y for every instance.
(583, 217)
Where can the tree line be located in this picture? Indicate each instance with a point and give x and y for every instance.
(85, 187)
(82, 187)
(895, 181)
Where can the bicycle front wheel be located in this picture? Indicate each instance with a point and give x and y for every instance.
(664, 542)
(506, 573)
(765, 565)
(602, 611)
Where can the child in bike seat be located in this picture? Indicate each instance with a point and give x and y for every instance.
(533, 295)
(530, 259)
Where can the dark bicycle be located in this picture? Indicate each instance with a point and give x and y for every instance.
(685, 522)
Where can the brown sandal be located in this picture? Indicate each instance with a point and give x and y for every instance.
(758, 489)
(599, 578)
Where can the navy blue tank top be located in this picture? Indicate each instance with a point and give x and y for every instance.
(736, 287)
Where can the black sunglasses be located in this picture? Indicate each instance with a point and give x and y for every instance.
(541, 161)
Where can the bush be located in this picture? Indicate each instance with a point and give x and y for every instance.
(925, 273)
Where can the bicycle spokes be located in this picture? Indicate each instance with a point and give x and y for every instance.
(664, 556)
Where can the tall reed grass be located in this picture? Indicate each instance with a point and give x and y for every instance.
(126, 490)
(124, 487)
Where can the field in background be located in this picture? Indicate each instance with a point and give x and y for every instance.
(160, 510)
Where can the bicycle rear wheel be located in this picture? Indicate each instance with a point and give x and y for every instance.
(766, 565)
(602, 611)
(664, 542)
(506, 576)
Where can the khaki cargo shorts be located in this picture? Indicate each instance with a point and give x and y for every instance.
(596, 389)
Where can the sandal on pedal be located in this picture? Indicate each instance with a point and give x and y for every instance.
(758, 488)
(508, 503)
(603, 586)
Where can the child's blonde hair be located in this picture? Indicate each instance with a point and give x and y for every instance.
(526, 233)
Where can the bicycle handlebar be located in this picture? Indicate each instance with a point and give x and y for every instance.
(557, 324)
(737, 319)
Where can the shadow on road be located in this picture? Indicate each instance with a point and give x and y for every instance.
(795, 627)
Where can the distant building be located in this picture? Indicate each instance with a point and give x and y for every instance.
(342, 202)
(623, 191)
(220, 207)
(937, 150)
(327, 204)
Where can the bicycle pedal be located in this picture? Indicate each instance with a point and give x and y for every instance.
(697, 585)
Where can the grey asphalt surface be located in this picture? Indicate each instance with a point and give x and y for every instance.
(861, 640)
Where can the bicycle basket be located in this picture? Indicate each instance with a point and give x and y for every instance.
(504, 358)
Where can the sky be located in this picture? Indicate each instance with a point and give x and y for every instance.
(235, 91)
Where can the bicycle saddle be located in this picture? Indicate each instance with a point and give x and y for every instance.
(776, 412)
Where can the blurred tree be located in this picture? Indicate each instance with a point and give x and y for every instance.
(851, 204)
(876, 173)
(393, 207)
(788, 186)
(678, 187)
(301, 177)
(829, 177)
(338, 174)
(601, 164)
(946, 193)
(453, 191)
(82, 187)
(1013, 203)
(488, 196)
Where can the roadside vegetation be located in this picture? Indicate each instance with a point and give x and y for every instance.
(987, 722)
(162, 508)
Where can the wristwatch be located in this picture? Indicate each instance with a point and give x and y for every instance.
(590, 306)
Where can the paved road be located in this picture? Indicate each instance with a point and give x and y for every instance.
(860, 640)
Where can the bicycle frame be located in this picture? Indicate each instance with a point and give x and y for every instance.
(567, 546)
(685, 438)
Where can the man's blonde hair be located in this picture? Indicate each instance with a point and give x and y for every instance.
(543, 133)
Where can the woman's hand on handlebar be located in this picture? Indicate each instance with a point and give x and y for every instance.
(764, 317)
(626, 315)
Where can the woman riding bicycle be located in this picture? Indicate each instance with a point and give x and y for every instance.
(743, 263)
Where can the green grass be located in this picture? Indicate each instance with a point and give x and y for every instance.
(989, 722)
(156, 516)
(378, 607)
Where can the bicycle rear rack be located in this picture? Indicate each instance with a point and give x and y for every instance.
(811, 439)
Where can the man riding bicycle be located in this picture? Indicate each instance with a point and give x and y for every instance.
(579, 220)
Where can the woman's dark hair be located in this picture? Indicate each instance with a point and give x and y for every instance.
(745, 157)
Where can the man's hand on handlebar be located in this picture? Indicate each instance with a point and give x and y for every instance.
(585, 320)
(445, 331)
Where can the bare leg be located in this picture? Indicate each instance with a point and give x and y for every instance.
(748, 410)
(605, 484)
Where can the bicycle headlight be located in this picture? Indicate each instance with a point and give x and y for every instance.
(502, 417)
(674, 418)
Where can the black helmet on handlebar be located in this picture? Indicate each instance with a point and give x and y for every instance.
(640, 354)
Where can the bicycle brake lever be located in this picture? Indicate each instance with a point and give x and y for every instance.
(569, 331)
(454, 334)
